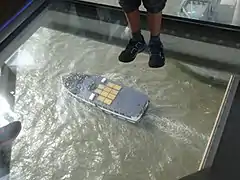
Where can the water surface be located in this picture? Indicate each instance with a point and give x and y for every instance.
(64, 139)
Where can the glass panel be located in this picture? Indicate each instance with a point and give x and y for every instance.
(220, 11)
(63, 138)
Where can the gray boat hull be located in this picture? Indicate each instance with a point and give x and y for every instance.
(111, 97)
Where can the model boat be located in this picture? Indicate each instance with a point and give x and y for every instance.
(111, 97)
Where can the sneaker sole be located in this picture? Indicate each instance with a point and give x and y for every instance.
(158, 66)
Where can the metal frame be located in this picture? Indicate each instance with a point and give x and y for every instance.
(220, 123)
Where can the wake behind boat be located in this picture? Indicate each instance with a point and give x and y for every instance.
(113, 98)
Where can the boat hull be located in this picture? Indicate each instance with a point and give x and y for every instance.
(112, 98)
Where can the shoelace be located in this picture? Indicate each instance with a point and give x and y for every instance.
(133, 46)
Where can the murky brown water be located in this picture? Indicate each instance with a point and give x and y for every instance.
(64, 139)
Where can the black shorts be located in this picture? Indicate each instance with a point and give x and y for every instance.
(152, 6)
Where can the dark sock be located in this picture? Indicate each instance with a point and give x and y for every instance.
(154, 38)
(137, 36)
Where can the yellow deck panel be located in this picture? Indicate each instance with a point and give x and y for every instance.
(104, 93)
(108, 101)
(98, 91)
(117, 87)
(101, 98)
(107, 89)
(115, 92)
(111, 96)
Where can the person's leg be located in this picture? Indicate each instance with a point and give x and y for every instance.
(154, 8)
(136, 43)
(154, 23)
(133, 19)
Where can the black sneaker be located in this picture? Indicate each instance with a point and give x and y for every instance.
(157, 58)
(133, 48)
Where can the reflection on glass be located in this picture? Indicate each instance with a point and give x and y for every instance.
(220, 11)
(195, 9)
